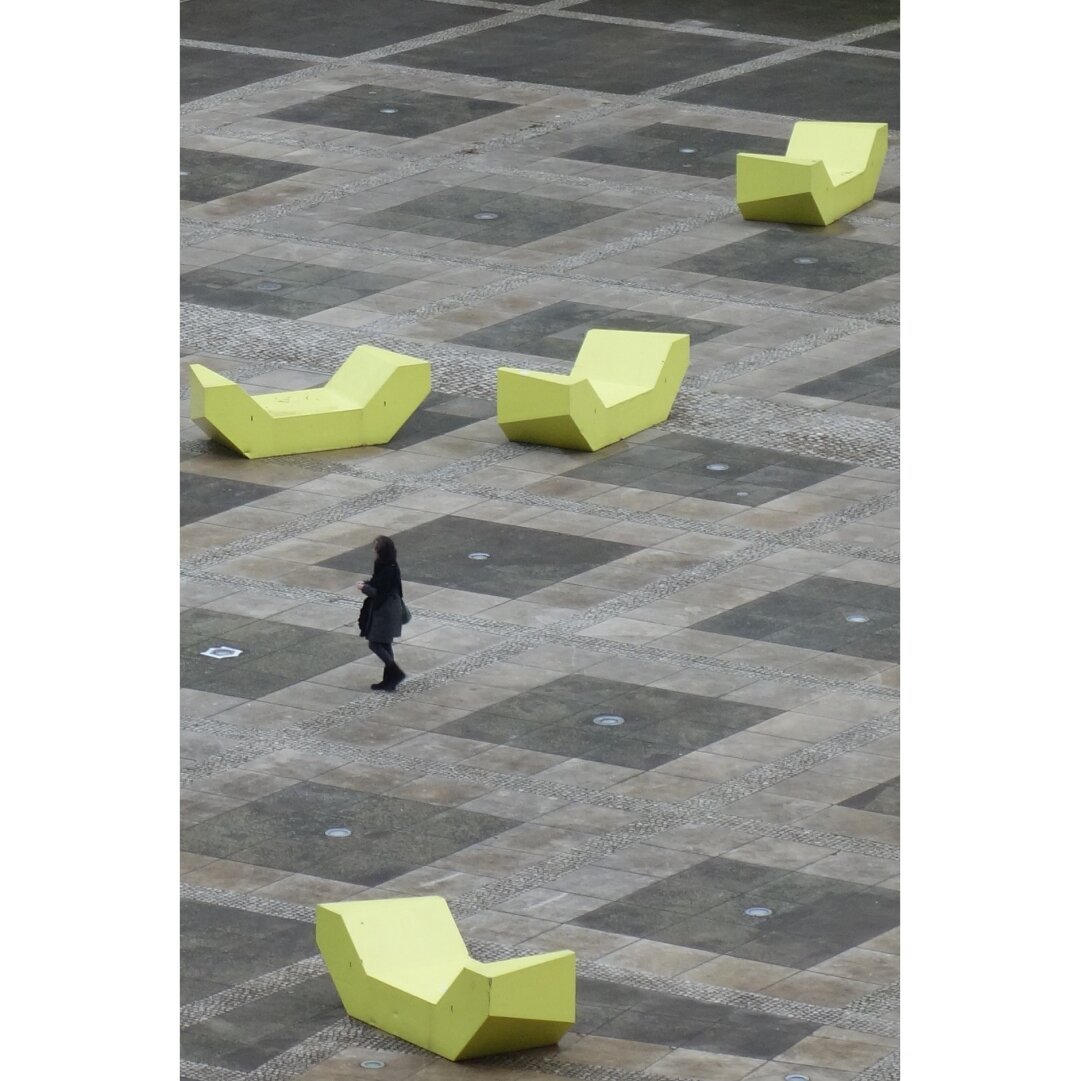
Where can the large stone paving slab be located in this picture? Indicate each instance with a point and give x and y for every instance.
(519, 560)
(657, 725)
(389, 110)
(587, 55)
(873, 382)
(321, 27)
(786, 18)
(825, 86)
(559, 329)
(207, 175)
(210, 71)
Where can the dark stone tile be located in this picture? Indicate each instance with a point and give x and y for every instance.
(883, 799)
(847, 919)
(364, 108)
(522, 560)
(648, 1027)
(521, 218)
(321, 27)
(210, 71)
(890, 195)
(559, 329)
(889, 40)
(192, 988)
(877, 379)
(812, 614)
(212, 175)
(226, 946)
(770, 256)
(201, 497)
(824, 86)
(390, 836)
(245, 1038)
(427, 423)
(241, 300)
(660, 147)
(779, 18)
(791, 951)
(590, 56)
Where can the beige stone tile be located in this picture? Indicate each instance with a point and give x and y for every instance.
(487, 861)
(657, 786)
(514, 760)
(364, 778)
(506, 928)
(778, 1071)
(345, 1065)
(636, 533)
(196, 807)
(703, 544)
(571, 657)
(819, 989)
(619, 629)
(773, 655)
(232, 876)
(630, 498)
(468, 696)
(704, 766)
(581, 816)
(508, 803)
(702, 644)
(773, 852)
(241, 784)
(567, 522)
(575, 597)
(441, 748)
(310, 695)
(768, 807)
(592, 880)
(755, 746)
(710, 684)
(852, 867)
(869, 966)
(889, 942)
(801, 726)
(584, 774)
(871, 767)
(739, 973)
(267, 716)
(707, 839)
(649, 859)
(458, 601)
(683, 1064)
(292, 763)
(437, 881)
(443, 791)
(523, 614)
(201, 704)
(308, 890)
(640, 670)
(835, 1054)
(778, 694)
(658, 958)
(614, 1054)
(847, 706)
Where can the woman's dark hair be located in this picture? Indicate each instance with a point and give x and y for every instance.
(385, 551)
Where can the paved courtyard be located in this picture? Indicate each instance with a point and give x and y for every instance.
(478, 183)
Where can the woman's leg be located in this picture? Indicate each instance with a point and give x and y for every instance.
(384, 651)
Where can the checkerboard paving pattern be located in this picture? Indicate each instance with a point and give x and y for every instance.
(477, 186)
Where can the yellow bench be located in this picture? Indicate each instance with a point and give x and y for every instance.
(401, 965)
(622, 382)
(829, 170)
(365, 402)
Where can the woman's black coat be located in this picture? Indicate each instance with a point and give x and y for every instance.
(380, 617)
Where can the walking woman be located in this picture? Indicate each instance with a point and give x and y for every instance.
(381, 616)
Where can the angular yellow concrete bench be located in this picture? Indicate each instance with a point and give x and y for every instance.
(622, 382)
(365, 402)
(829, 170)
(401, 965)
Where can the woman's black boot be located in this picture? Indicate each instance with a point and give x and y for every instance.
(384, 684)
(394, 676)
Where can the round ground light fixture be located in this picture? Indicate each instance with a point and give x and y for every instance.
(338, 831)
(608, 720)
(373, 1064)
(742, 493)
(856, 618)
(687, 150)
(486, 215)
(796, 1077)
(717, 467)
(479, 555)
(269, 287)
(221, 653)
(388, 110)
(183, 172)
(757, 911)
(804, 260)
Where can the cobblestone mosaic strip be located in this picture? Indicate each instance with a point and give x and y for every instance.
(885, 1069)
(268, 984)
(200, 1071)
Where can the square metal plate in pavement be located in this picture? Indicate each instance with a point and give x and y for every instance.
(657, 726)
(519, 560)
(692, 465)
(780, 18)
(389, 110)
(833, 615)
(207, 175)
(559, 329)
(587, 55)
(320, 27)
(824, 86)
(210, 71)
(799, 256)
(389, 836)
(674, 148)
